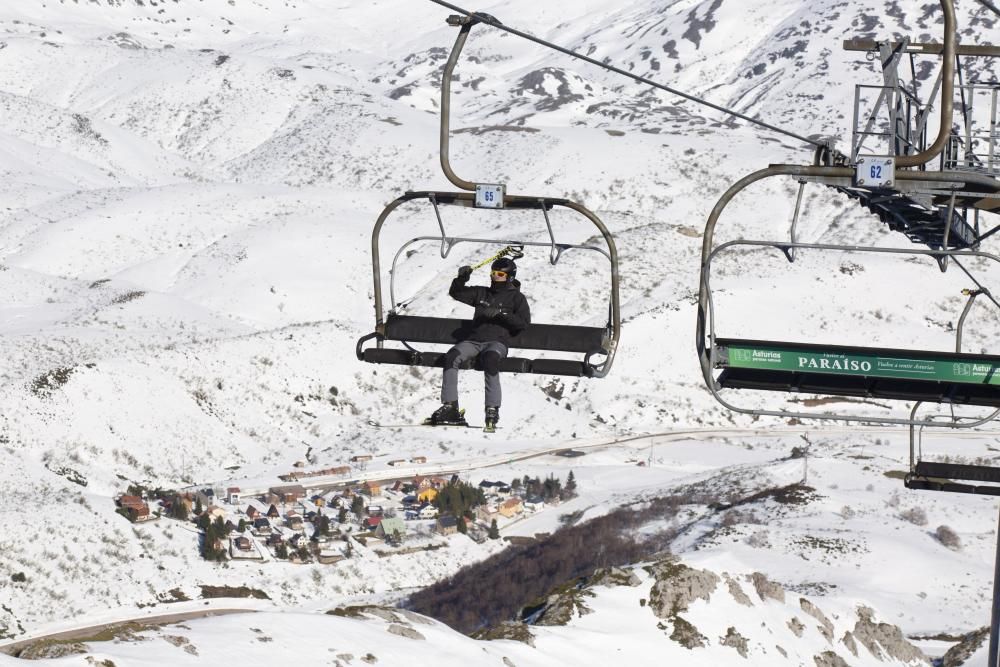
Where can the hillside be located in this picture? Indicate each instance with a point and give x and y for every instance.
(190, 191)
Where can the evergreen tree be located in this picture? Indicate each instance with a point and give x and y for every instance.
(342, 515)
(358, 506)
(242, 527)
(462, 528)
(179, 509)
(494, 533)
(281, 551)
(570, 484)
(198, 509)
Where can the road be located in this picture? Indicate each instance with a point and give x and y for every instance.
(83, 633)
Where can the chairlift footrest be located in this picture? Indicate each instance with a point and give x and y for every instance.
(972, 473)
(952, 487)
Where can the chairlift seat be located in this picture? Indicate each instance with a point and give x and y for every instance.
(938, 476)
(448, 331)
(936, 389)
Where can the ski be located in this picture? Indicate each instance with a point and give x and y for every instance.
(375, 424)
(372, 422)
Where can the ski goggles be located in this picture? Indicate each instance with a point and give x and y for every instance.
(499, 274)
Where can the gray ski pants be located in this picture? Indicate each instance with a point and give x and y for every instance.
(469, 349)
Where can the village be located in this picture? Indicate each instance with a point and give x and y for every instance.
(327, 523)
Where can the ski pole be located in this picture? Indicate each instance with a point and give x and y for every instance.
(517, 252)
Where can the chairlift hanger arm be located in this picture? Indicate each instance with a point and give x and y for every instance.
(493, 22)
(929, 49)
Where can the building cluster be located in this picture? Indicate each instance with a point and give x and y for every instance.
(293, 522)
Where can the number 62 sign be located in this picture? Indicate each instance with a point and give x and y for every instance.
(875, 171)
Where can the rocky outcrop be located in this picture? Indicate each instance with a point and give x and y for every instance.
(404, 631)
(687, 635)
(883, 640)
(560, 608)
(825, 624)
(829, 659)
(735, 640)
(519, 632)
(958, 654)
(848, 641)
(737, 591)
(677, 586)
(614, 576)
(766, 588)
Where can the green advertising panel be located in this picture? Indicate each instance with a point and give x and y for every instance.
(875, 365)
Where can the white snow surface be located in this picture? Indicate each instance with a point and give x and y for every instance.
(185, 253)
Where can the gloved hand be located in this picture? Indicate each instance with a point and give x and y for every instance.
(489, 312)
(464, 271)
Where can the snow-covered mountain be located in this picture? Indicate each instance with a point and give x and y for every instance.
(189, 195)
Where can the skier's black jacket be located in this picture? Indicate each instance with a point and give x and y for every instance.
(487, 323)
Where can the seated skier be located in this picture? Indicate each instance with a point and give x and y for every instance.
(501, 312)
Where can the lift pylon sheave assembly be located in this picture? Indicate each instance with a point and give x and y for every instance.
(597, 345)
(940, 210)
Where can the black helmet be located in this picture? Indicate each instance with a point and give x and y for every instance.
(506, 265)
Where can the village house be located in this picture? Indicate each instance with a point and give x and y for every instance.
(243, 543)
(275, 540)
(206, 496)
(438, 482)
(486, 511)
(215, 512)
(446, 525)
(427, 511)
(534, 503)
(294, 521)
(427, 495)
(272, 512)
(371, 522)
(375, 510)
(361, 458)
(261, 526)
(397, 486)
(252, 512)
(288, 493)
(297, 540)
(136, 509)
(396, 462)
(233, 495)
(391, 528)
(410, 501)
(371, 489)
(511, 507)
(418, 459)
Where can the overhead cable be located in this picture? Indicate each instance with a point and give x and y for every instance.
(989, 5)
(493, 22)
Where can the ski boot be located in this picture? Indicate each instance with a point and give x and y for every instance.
(492, 415)
(447, 415)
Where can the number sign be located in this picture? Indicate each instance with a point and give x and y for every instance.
(875, 171)
(489, 195)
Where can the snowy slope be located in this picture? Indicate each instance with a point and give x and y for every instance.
(185, 246)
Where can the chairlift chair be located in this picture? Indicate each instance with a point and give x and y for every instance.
(931, 208)
(597, 345)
